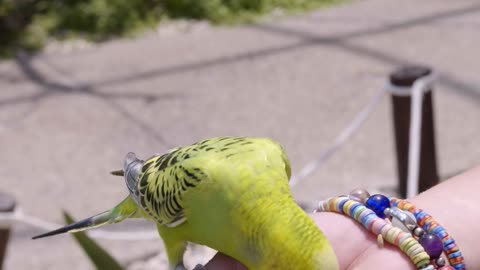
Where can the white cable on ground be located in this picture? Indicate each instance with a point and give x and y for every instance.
(417, 91)
(357, 122)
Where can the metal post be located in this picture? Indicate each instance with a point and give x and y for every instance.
(428, 175)
(7, 205)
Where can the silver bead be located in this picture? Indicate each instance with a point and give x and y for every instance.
(418, 232)
(397, 223)
(412, 221)
(387, 212)
(440, 261)
(403, 219)
(359, 195)
(409, 221)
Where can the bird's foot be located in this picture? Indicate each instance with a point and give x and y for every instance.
(199, 267)
(179, 267)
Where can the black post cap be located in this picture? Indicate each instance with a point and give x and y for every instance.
(406, 76)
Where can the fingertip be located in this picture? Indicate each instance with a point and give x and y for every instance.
(223, 262)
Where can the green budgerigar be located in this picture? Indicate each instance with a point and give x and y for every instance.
(231, 194)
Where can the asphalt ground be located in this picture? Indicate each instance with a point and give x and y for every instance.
(67, 118)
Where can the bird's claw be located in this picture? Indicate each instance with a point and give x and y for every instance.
(118, 173)
(180, 267)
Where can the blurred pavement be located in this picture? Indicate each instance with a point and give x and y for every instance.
(67, 119)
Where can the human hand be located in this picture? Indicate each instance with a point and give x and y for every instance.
(357, 249)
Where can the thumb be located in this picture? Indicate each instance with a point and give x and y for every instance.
(223, 262)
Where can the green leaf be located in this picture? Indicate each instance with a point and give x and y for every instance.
(99, 257)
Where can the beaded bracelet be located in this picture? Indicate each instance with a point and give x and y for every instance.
(430, 225)
(379, 226)
(405, 230)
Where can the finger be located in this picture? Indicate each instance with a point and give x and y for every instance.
(223, 262)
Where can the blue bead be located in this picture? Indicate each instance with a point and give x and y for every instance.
(454, 255)
(354, 209)
(448, 242)
(420, 215)
(378, 203)
(438, 230)
(340, 206)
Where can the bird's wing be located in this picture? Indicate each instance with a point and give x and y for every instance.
(164, 180)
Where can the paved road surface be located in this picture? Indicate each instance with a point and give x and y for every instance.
(66, 119)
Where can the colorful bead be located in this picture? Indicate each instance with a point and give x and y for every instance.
(378, 203)
(432, 244)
